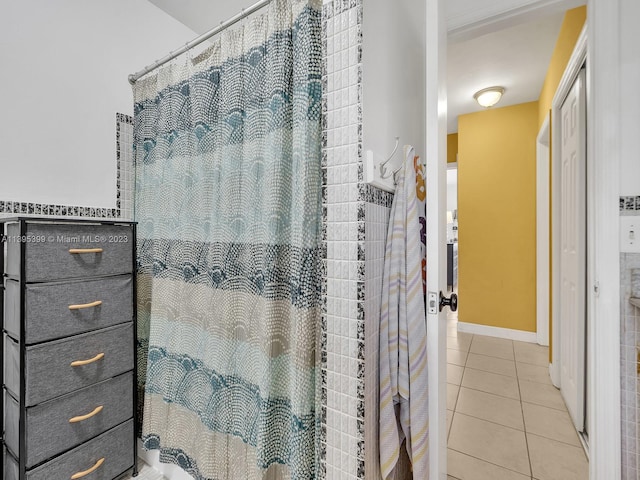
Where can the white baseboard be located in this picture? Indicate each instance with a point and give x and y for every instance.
(152, 458)
(476, 329)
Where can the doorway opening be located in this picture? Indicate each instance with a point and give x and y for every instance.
(452, 227)
(498, 372)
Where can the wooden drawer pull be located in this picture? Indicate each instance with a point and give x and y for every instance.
(85, 250)
(85, 305)
(87, 472)
(80, 363)
(80, 418)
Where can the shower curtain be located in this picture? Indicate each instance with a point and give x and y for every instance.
(228, 200)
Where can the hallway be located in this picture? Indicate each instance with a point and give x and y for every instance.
(505, 420)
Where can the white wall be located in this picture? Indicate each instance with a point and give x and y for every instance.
(630, 108)
(452, 189)
(64, 77)
(393, 70)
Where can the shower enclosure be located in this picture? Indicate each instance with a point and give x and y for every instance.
(228, 201)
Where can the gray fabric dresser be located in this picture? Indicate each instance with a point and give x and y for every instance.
(68, 349)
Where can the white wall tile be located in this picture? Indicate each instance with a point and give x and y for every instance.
(342, 181)
(630, 387)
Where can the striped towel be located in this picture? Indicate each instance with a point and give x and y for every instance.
(403, 333)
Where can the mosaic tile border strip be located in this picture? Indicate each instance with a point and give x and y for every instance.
(361, 299)
(327, 12)
(363, 189)
(124, 118)
(338, 6)
(41, 209)
(323, 400)
(630, 205)
(370, 194)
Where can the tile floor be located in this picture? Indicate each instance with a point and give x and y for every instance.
(505, 420)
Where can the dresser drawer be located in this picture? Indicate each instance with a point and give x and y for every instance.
(48, 430)
(48, 255)
(48, 315)
(115, 446)
(49, 372)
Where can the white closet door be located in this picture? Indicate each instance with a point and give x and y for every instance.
(573, 251)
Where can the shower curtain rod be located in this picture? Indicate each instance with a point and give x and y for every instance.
(133, 78)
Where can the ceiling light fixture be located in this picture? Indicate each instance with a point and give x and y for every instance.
(488, 97)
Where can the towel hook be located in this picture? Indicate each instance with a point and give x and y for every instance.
(383, 168)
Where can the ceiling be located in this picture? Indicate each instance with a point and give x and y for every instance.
(202, 15)
(491, 42)
(515, 58)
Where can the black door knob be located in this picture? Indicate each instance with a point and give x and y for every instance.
(451, 302)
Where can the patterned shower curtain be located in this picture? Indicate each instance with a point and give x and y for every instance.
(228, 200)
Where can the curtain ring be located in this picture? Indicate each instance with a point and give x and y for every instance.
(187, 52)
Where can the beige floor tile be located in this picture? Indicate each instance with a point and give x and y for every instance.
(493, 347)
(449, 420)
(458, 343)
(492, 408)
(551, 460)
(465, 336)
(452, 331)
(550, 423)
(454, 374)
(531, 353)
(456, 357)
(464, 467)
(540, 394)
(490, 442)
(533, 373)
(502, 385)
(491, 364)
(452, 395)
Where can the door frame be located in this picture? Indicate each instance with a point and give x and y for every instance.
(542, 232)
(436, 183)
(599, 46)
(603, 276)
(604, 153)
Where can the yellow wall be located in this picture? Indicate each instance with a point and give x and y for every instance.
(569, 32)
(496, 199)
(452, 147)
(497, 216)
